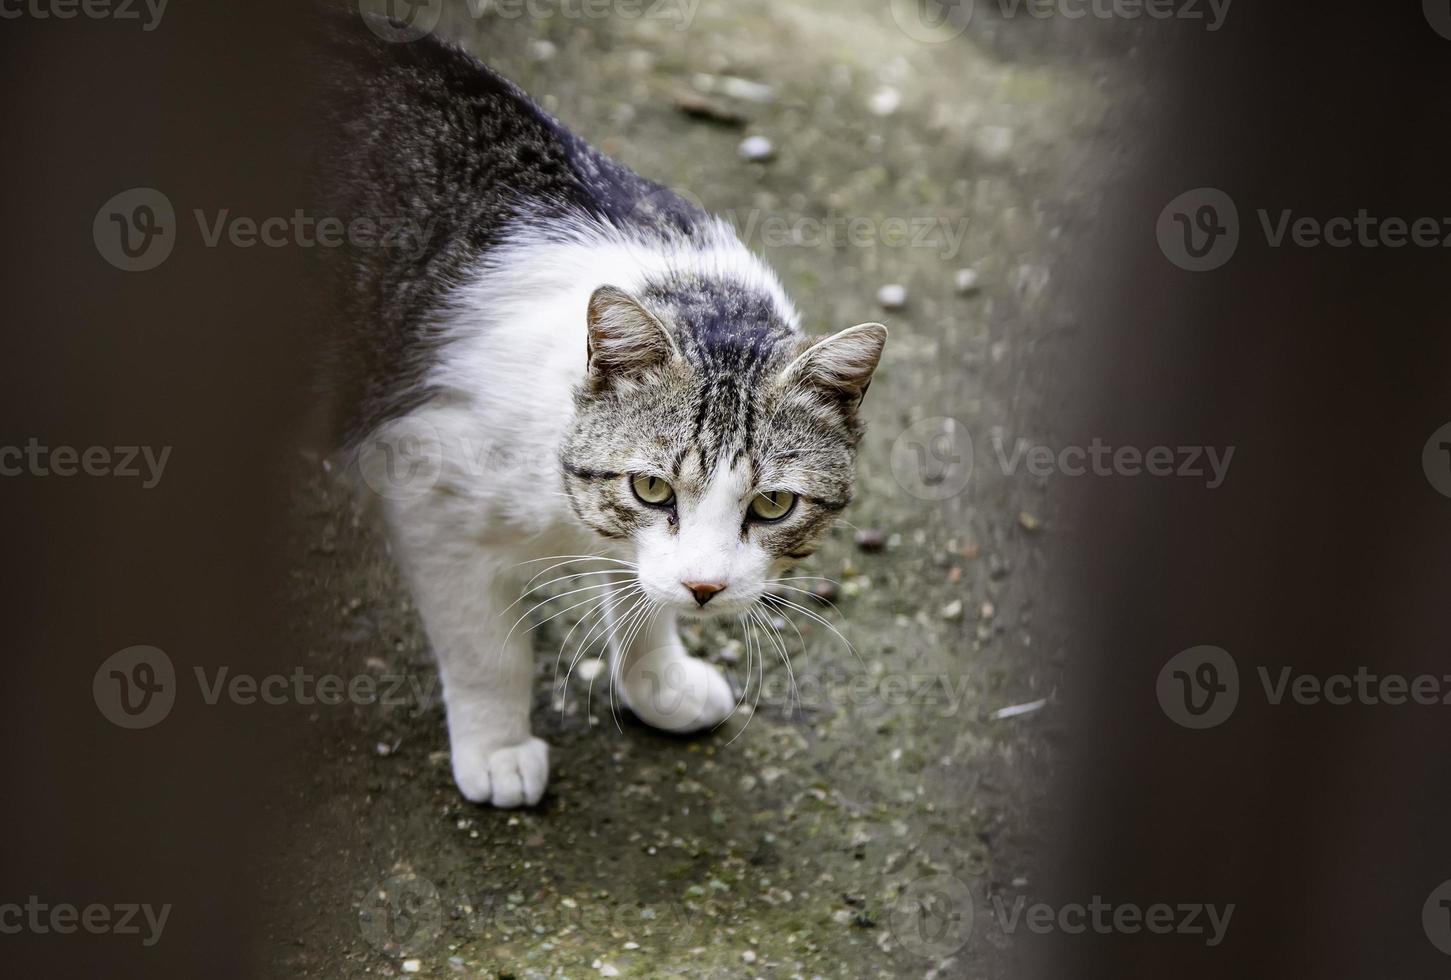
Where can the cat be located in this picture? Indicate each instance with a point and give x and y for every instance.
(570, 362)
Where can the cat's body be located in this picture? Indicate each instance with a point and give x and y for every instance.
(576, 363)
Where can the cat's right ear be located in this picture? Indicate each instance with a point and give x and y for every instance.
(624, 339)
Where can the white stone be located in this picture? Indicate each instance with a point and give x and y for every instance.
(892, 296)
(884, 101)
(758, 149)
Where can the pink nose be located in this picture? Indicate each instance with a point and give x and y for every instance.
(703, 591)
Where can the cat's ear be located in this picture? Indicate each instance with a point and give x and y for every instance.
(842, 364)
(624, 338)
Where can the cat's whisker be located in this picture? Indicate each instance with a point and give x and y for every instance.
(561, 578)
(751, 654)
(553, 616)
(569, 558)
(809, 593)
(792, 623)
(529, 585)
(599, 602)
(775, 638)
(578, 656)
(769, 598)
(643, 622)
(612, 630)
(606, 622)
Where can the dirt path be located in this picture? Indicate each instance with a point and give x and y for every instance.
(799, 846)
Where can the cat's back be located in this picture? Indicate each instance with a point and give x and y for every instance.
(428, 140)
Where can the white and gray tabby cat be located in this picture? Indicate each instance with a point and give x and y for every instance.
(565, 309)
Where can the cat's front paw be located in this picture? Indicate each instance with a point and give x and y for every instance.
(678, 694)
(507, 777)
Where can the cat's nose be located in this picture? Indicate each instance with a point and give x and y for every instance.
(703, 591)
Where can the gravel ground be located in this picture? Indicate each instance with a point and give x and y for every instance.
(801, 844)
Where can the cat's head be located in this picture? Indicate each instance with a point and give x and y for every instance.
(713, 438)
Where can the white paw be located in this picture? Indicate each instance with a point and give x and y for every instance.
(507, 777)
(677, 694)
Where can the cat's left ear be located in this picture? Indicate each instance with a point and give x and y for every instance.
(842, 364)
(624, 339)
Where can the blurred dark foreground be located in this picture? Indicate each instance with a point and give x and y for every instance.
(1323, 825)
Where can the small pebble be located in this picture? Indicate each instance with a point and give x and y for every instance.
(543, 50)
(966, 281)
(1029, 522)
(412, 966)
(747, 90)
(871, 540)
(758, 149)
(749, 956)
(884, 101)
(700, 107)
(952, 611)
(892, 296)
(588, 670)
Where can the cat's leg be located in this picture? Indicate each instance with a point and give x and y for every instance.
(666, 687)
(487, 674)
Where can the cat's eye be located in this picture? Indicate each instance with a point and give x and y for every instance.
(652, 490)
(772, 505)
